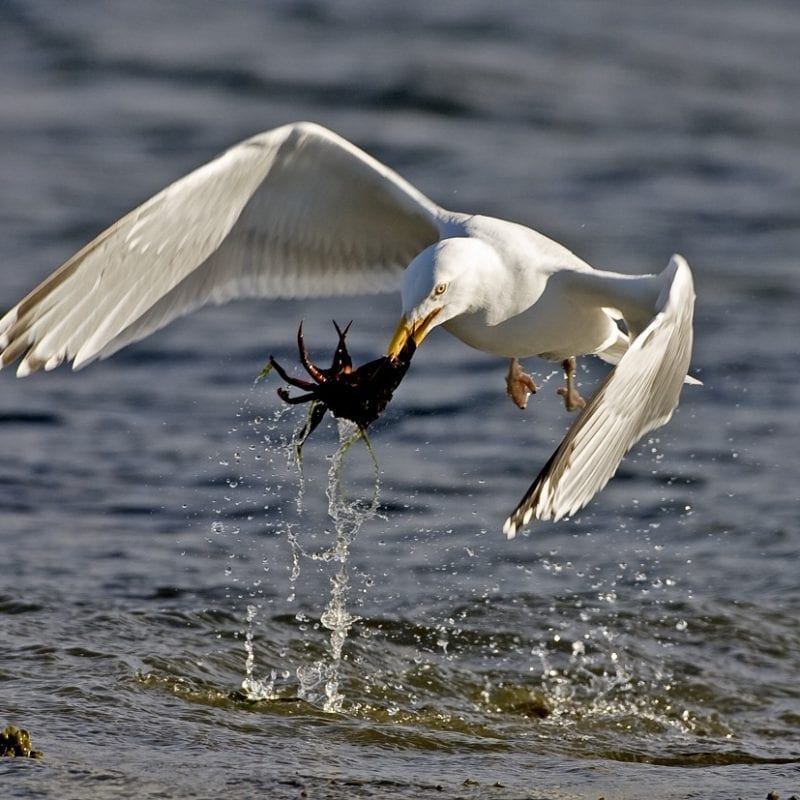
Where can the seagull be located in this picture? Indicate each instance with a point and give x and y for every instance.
(298, 211)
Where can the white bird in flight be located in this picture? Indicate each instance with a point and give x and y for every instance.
(299, 212)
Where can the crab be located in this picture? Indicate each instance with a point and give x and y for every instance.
(359, 395)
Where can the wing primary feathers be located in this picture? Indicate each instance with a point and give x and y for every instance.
(292, 212)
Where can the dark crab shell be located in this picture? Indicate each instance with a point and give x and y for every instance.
(359, 395)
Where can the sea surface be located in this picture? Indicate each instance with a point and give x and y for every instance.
(186, 614)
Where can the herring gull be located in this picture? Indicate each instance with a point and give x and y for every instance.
(299, 212)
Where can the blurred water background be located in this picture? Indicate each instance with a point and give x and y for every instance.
(155, 556)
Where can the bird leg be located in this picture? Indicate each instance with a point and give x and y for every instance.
(572, 399)
(519, 385)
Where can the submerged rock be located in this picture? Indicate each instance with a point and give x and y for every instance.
(16, 743)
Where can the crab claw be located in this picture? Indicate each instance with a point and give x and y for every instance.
(313, 371)
(341, 358)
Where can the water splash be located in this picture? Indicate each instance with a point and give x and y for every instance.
(348, 517)
(282, 466)
(252, 687)
(268, 458)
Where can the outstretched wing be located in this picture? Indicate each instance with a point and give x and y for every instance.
(296, 211)
(638, 395)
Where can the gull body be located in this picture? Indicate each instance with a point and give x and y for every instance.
(513, 292)
(298, 212)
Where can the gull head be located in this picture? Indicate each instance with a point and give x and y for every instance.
(444, 281)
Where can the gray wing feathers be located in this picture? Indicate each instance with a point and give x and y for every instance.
(638, 395)
(293, 212)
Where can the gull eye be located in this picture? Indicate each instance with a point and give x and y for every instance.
(441, 288)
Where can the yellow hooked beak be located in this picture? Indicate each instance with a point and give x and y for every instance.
(405, 331)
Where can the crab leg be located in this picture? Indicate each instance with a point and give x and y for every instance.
(317, 413)
(296, 382)
(293, 401)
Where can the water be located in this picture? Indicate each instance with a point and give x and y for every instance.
(155, 556)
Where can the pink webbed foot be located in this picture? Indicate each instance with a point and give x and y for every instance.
(519, 385)
(572, 398)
